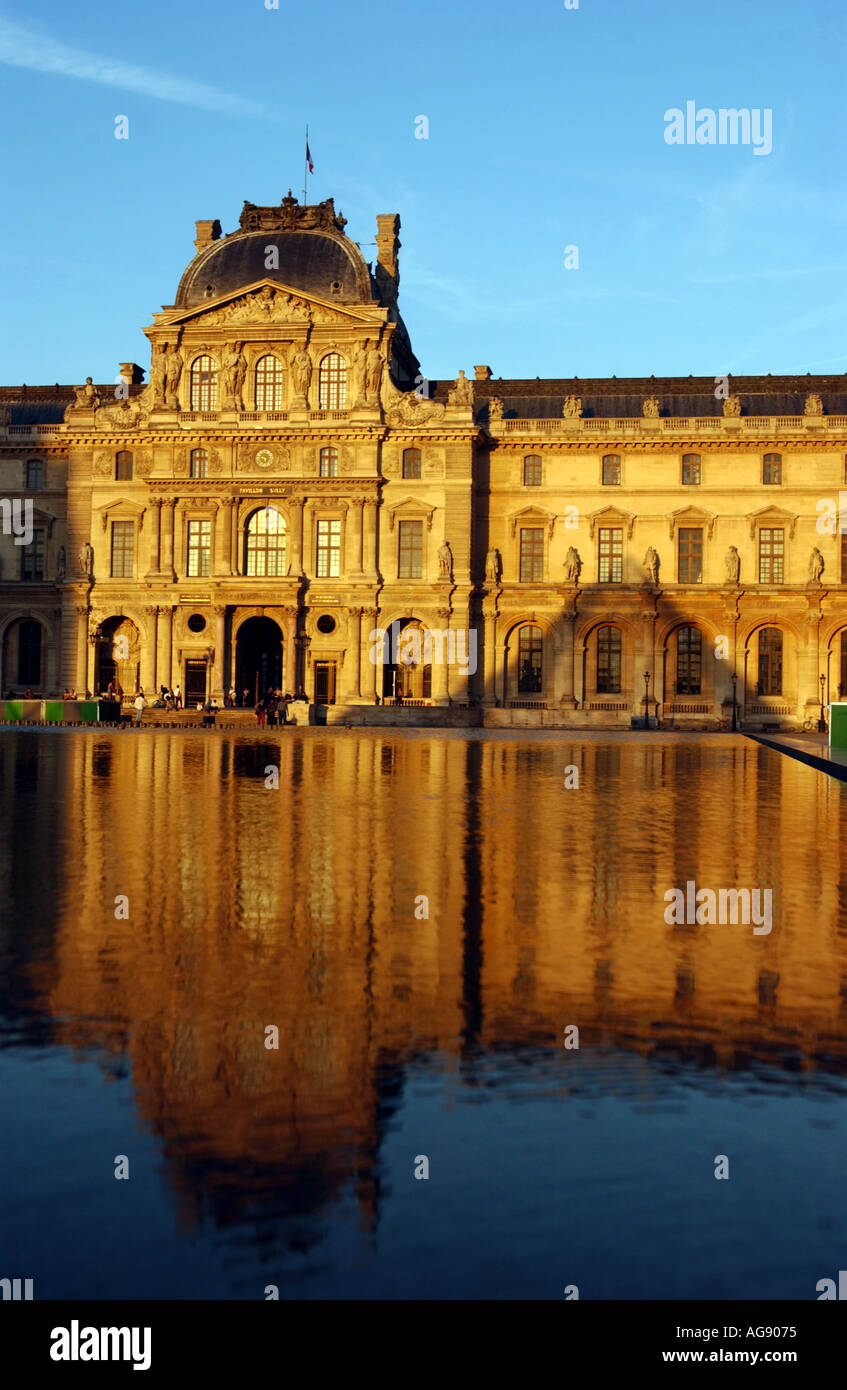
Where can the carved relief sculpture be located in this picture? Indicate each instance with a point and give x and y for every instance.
(813, 406)
(495, 411)
(573, 408)
(732, 407)
(462, 392)
(650, 408)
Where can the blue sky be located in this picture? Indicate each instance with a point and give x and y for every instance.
(546, 130)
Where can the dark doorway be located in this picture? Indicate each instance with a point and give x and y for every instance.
(258, 657)
(324, 682)
(195, 682)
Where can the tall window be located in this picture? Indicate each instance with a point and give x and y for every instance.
(199, 463)
(269, 383)
(266, 535)
(770, 661)
(32, 556)
(689, 660)
(532, 471)
(609, 660)
(532, 554)
(771, 555)
(410, 550)
(329, 463)
(329, 549)
(690, 555)
(530, 649)
(204, 384)
(690, 470)
(123, 549)
(411, 463)
(611, 470)
(199, 548)
(29, 652)
(772, 468)
(35, 476)
(123, 466)
(332, 382)
(610, 550)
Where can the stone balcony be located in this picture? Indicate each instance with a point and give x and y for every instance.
(733, 427)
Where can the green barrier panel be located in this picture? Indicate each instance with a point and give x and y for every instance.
(838, 725)
(54, 711)
(14, 710)
(88, 711)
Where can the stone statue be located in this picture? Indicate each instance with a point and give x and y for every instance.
(816, 563)
(813, 406)
(445, 561)
(86, 396)
(157, 376)
(732, 407)
(495, 410)
(60, 563)
(234, 373)
(240, 375)
(373, 365)
(173, 372)
(651, 565)
(573, 408)
(86, 559)
(573, 565)
(650, 408)
(493, 568)
(732, 562)
(301, 371)
(462, 392)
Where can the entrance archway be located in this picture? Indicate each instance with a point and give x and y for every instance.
(258, 657)
(118, 656)
(405, 669)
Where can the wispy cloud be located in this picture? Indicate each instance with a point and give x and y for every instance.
(25, 48)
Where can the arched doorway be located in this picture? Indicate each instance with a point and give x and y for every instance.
(407, 662)
(23, 654)
(118, 656)
(258, 657)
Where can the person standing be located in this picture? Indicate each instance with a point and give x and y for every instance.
(260, 713)
(140, 702)
(177, 697)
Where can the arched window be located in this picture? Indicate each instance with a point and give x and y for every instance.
(204, 384)
(770, 661)
(689, 660)
(123, 466)
(265, 549)
(332, 382)
(690, 470)
(532, 471)
(411, 463)
(609, 660)
(269, 383)
(35, 474)
(530, 650)
(611, 470)
(329, 463)
(199, 463)
(772, 468)
(29, 653)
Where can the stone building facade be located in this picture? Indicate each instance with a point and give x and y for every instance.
(289, 502)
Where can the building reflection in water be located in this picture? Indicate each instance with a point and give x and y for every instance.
(296, 907)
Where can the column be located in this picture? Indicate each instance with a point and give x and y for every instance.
(371, 677)
(489, 617)
(220, 646)
(223, 538)
(440, 669)
(645, 661)
(567, 661)
(179, 556)
(369, 539)
(295, 512)
(166, 632)
(234, 540)
(308, 540)
(81, 681)
(289, 650)
(354, 535)
(168, 505)
(155, 539)
(148, 652)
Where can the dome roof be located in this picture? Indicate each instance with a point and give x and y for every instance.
(316, 258)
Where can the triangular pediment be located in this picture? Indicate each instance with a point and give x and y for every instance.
(772, 516)
(410, 506)
(692, 516)
(611, 516)
(532, 516)
(267, 302)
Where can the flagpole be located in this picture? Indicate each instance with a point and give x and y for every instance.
(305, 168)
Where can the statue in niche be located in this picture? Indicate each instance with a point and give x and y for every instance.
(86, 559)
(816, 565)
(445, 561)
(157, 375)
(493, 566)
(651, 565)
(173, 372)
(301, 372)
(573, 565)
(732, 562)
(60, 563)
(373, 365)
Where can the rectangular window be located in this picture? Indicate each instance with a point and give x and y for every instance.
(611, 554)
(532, 554)
(771, 555)
(199, 549)
(690, 555)
(691, 470)
(532, 471)
(32, 557)
(611, 471)
(35, 474)
(410, 550)
(123, 549)
(329, 549)
(772, 469)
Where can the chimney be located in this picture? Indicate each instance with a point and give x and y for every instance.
(482, 373)
(131, 373)
(388, 243)
(207, 232)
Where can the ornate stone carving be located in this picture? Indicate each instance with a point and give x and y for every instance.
(813, 406)
(290, 216)
(495, 410)
(182, 460)
(172, 365)
(86, 559)
(573, 408)
(650, 408)
(103, 465)
(816, 566)
(732, 407)
(462, 392)
(573, 565)
(407, 408)
(266, 459)
(732, 561)
(301, 374)
(493, 566)
(233, 374)
(390, 463)
(266, 306)
(445, 561)
(347, 460)
(87, 396)
(651, 565)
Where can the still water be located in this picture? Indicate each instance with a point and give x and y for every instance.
(405, 1036)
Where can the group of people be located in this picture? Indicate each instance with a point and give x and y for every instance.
(169, 699)
(273, 709)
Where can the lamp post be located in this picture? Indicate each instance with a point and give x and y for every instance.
(734, 704)
(822, 721)
(647, 699)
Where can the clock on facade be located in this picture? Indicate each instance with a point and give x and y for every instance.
(264, 458)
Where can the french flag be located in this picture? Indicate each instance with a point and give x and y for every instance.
(311, 166)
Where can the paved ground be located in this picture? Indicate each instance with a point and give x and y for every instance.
(812, 749)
